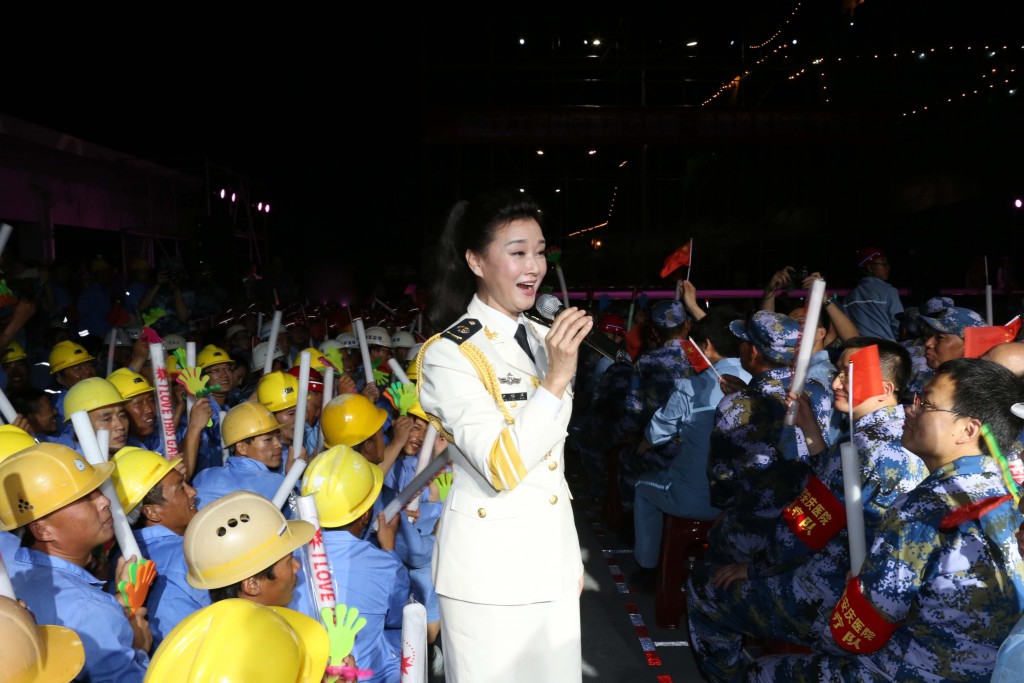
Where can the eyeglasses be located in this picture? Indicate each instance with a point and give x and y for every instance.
(921, 406)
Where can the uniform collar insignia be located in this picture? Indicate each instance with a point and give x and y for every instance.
(490, 335)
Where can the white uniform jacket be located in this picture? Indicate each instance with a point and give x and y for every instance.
(506, 535)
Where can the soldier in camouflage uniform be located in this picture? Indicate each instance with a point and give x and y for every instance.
(757, 464)
(796, 581)
(920, 372)
(943, 583)
(943, 339)
(653, 382)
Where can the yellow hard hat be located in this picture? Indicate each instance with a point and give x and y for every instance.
(136, 471)
(279, 645)
(13, 352)
(212, 355)
(237, 536)
(417, 410)
(128, 383)
(36, 654)
(315, 359)
(39, 480)
(90, 394)
(67, 353)
(278, 391)
(350, 419)
(343, 484)
(246, 420)
(12, 440)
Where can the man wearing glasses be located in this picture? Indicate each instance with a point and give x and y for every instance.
(943, 583)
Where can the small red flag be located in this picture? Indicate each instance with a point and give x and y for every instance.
(979, 340)
(696, 357)
(867, 374)
(677, 259)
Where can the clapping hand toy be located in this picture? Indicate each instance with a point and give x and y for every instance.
(444, 484)
(342, 634)
(380, 376)
(401, 396)
(134, 591)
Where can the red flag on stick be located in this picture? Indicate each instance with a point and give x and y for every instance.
(867, 374)
(978, 340)
(696, 357)
(677, 259)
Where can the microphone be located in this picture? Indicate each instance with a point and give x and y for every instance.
(549, 306)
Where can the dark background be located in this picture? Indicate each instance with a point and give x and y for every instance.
(362, 131)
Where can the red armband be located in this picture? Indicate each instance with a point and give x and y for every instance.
(816, 515)
(856, 625)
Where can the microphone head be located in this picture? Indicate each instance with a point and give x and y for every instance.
(548, 306)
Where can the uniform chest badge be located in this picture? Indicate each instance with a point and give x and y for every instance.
(509, 379)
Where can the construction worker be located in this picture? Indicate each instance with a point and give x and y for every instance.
(159, 504)
(141, 408)
(314, 403)
(344, 486)
(279, 393)
(254, 439)
(52, 493)
(15, 365)
(50, 654)
(200, 437)
(105, 406)
(351, 420)
(241, 546)
(278, 645)
(70, 363)
(12, 440)
(401, 342)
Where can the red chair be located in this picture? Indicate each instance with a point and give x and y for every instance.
(683, 543)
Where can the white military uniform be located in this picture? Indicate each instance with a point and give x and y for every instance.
(507, 559)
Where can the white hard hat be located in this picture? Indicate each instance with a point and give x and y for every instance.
(259, 355)
(121, 337)
(348, 340)
(403, 339)
(174, 341)
(379, 336)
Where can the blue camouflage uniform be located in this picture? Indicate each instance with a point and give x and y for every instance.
(952, 592)
(792, 587)
(757, 463)
(682, 489)
(64, 594)
(376, 582)
(592, 435)
(920, 373)
(651, 386)
(171, 598)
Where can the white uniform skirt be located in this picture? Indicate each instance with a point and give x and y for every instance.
(539, 642)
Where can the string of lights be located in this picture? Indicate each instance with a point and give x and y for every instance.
(778, 33)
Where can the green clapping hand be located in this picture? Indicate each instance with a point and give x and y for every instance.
(444, 483)
(380, 376)
(342, 632)
(401, 396)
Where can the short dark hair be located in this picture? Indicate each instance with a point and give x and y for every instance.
(154, 496)
(232, 591)
(26, 399)
(894, 359)
(985, 391)
(714, 327)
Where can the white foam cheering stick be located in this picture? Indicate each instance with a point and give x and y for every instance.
(806, 350)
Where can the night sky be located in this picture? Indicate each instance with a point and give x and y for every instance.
(342, 126)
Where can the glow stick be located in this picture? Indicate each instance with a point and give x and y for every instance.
(364, 349)
(164, 405)
(6, 409)
(418, 482)
(803, 359)
(259, 322)
(422, 460)
(275, 327)
(688, 265)
(190, 361)
(328, 395)
(6, 588)
(288, 485)
(414, 643)
(299, 435)
(103, 441)
(91, 450)
(396, 368)
(561, 282)
(852, 491)
(5, 235)
(314, 558)
(110, 351)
